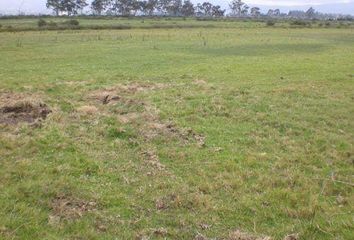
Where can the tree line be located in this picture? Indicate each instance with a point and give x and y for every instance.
(237, 8)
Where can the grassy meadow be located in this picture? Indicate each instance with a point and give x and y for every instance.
(192, 133)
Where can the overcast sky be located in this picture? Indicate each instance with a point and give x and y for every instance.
(335, 6)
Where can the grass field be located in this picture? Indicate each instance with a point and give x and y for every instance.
(222, 133)
(90, 22)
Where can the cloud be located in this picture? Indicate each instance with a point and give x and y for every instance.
(290, 3)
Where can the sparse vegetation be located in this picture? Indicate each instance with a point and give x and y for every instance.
(270, 23)
(223, 129)
(41, 23)
(72, 22)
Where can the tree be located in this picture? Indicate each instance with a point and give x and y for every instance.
(136, 6)
(238, 7)
(270, 13)
(255, 12)
(174, 7)
(217, 11)
(273, 13)
(149, 6)
(98, 6)
(163, 6)
(310, 13)
(71, 7)
(205, 9)
(276, 12)
(187, 8)
(244, 10)
(123, 7)
(55, 5)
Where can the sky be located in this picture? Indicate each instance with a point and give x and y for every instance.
(327, 6)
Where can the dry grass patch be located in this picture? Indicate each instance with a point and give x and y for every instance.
(88, 110)
(239, 235)
(69, 208)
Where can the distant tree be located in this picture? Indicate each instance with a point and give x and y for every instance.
(149, 6)
(270, 13)
(136, 6)
(217, 11)
(273, 13)
(187, 8)
(244, 10)
(276, 12)
(72, 7)
(163, 6)
(205, 9)
(238, 8)
(255, 12)
(310, 13)
(98, 6)
(56, 5)
(174, 7)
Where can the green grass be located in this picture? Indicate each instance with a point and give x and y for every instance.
(11, 24)
(275, 107)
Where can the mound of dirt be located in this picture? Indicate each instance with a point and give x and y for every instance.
(15, 109)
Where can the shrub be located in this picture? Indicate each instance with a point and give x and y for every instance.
(52, 24)
(270, 23)
(72, 22)
(0, 26)
(41, 23)
(300, 23)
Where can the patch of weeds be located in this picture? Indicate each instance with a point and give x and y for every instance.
(121, 133)
(41, 23)
(270, 23)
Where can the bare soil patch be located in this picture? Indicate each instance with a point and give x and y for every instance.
(153, 160)
(70, 208)
(114, 94)
(239, 235)
(88, 110)
(17, 108)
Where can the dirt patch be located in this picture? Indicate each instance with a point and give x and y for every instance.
(88, 110)
(114, 94)
(69, 208)
(199, 82)
(160, 231)
(16, 108)
(292, 237)
(169, 201)
(153, 160)
(239, 235)
(200, 236)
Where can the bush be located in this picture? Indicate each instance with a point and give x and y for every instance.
(72, 22)
(0, 26)
(41, 23)
(52, 24)
(270, 23)
(300, 23)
